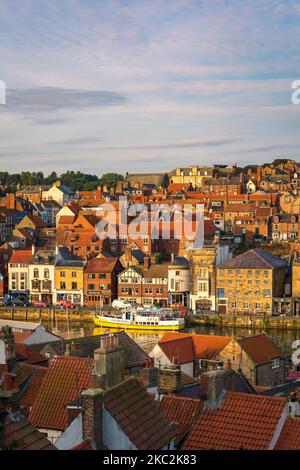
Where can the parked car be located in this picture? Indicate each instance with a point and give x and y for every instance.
(40, 303)
(120, 304)
(66, 304)
(19, 303)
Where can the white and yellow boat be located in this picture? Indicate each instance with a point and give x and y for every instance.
(136, 321)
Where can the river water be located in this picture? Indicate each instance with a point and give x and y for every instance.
(282, 338)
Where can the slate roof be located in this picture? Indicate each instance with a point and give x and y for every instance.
(254, 259)
(138, 415)
(146, 178)
(260, 348)
(289, 438)
(134, 355)
(180, 410)
(21, 435)
(65, 258)
(241, 421)
(65, 379)
(284, 389)
(180, 261)
(241, 385)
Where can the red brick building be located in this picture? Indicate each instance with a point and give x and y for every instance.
(100, 278)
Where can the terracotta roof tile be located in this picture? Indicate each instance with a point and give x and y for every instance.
(21, 256)
(138, 415)
(179, 350)
(203, 346)
(100, 265)
(32, 389)
(289, 438)
(64, 380)
(28, 353)
(260, 348)
(182, 411)
(84, 445)
(242, 421)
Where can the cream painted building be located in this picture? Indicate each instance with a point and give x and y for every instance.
(59, 193)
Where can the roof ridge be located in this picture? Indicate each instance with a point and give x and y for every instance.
(261, 257)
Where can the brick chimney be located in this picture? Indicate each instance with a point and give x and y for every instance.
(10, 201)
(214, 385)
(170, 379)
(92, 416)
(8, 351)
(98, 193)
(128, 256)
(150, 374)
(147, 262)
(109, 361)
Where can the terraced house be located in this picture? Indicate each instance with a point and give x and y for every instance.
(250, 283)
(41, 276)
(18, 282)
(145, 284)
(68, 276)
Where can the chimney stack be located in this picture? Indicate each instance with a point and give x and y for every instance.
(8, 351)
(147, 262)
(170, 379)
(214, 385)
(92, 416)
(109, 361)
(150, 374)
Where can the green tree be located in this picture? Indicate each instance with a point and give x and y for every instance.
(111, 179)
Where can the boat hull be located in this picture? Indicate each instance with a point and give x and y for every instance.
(105, 323)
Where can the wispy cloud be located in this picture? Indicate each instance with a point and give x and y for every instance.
(155, 80)
(216, 142)
(49, 99)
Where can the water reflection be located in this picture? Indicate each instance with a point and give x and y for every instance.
(146, 340)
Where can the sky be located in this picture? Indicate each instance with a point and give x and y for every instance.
(147, 86)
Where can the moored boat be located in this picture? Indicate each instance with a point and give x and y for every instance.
(140, 321)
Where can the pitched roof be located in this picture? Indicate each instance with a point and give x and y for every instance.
(203, 346)
(260, 348)
(134, 354)
(19, 434)
(64, 380)
(84, 445)
(181, 350)
(21, 256)
(101, 265)
(180, 410)
(146, 178)
(66, 258)
(138, 415)
(242, 421)
(254, 259)
(32, 389)
(66, 220)
(289, 438)
(28, 353)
